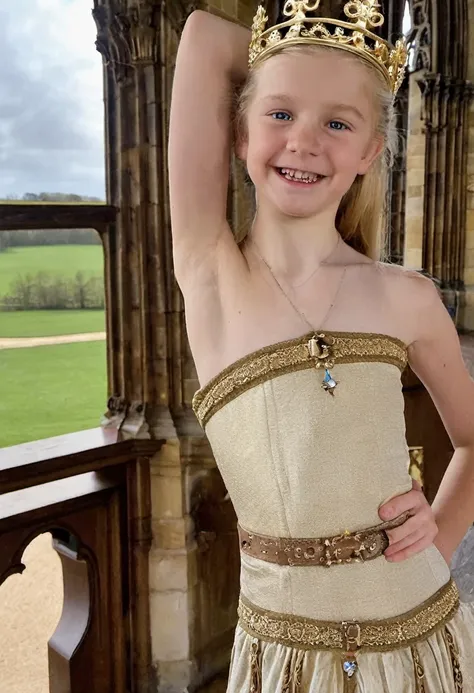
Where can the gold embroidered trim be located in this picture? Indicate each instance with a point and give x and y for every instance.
(298, 675)
(255, 668)
(293, 673)
(375, 636)
(286, 686)
(454, 654)
(419, 671)
(293, 355)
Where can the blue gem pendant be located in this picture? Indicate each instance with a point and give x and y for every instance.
(321, 349)
(352, 637)
(349, 667)
(329, 384)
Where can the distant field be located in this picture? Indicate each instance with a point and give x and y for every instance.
(51, 390)
(66, 260)
(46, 323)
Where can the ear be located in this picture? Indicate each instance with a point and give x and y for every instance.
(374, 150)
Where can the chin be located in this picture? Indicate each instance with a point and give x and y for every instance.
(299, 209)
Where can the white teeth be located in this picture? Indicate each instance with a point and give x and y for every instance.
(302, 176)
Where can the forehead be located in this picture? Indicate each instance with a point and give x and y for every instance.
(316, 77)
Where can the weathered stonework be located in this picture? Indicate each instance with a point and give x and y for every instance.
(415, 180)
(151, 373)
(467, 317)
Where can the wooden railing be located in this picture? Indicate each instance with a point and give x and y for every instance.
(19, 216)
(92, 493)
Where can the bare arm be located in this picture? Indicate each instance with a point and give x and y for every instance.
(212, 56)
(436, 358)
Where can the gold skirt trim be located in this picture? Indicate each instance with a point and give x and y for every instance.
(454, 654)
(374, 636)
(292, 676)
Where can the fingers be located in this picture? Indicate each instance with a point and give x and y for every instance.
(416, 534)
(412, 550)
(412, 501)
(409, 527)
(404, 543)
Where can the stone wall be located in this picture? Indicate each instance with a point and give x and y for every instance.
(415, 180)
(194, 560)
(467, 322)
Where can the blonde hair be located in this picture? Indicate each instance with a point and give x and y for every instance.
(362, 214)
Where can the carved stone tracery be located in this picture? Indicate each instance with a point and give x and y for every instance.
(420, 38)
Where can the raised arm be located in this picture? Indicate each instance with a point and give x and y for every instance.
(212, 57)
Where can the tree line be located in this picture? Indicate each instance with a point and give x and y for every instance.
(44, 290)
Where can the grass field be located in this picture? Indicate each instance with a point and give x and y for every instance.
(66, 260)
(51, 390)
(46, 323)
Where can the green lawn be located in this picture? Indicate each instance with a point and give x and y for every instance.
(66, 260)
(51, 390)
(46, 323)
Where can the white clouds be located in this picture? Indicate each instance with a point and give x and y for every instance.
(51, 100)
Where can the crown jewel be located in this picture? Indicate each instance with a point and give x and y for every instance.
(355, 36)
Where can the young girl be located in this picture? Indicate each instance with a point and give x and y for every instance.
(300, 334)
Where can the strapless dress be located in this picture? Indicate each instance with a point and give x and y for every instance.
(310, 441)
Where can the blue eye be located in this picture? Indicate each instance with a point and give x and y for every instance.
(338, 124)
(276, 115)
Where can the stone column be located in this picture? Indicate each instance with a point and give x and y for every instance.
(398, 183)
(436, 239)
(194, 560)
(137, 256)
(446, 103)
(467, 315)
(415, 179)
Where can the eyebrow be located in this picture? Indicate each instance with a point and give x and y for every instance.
(277, 97)
(334, 106)
(347, 107)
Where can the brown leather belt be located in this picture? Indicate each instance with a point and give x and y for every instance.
(349, 547)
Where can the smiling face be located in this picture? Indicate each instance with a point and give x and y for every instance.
(312, 117)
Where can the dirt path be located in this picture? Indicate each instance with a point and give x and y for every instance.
(25, 342)
(30, 608)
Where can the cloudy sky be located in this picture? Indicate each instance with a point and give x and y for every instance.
(51, 109)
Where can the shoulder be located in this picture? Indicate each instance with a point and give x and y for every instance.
(407, 281)
(412, 300)
(397, 281)
(407, 287)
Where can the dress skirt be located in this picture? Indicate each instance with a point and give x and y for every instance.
(273, 653)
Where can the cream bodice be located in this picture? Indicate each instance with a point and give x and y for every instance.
(299, 461)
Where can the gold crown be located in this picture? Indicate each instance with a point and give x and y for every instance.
(355, 37)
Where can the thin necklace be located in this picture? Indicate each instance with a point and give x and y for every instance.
(305, 281)
(319, 346)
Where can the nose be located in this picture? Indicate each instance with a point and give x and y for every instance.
(305, 139)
